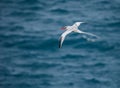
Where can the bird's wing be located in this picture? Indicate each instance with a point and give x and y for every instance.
(76, 24)
(63, 37)
(78, 31)
(90, 34)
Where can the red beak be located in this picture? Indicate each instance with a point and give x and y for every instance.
(63, 28)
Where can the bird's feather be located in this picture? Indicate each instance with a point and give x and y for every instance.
(63, 37)
(77, 24)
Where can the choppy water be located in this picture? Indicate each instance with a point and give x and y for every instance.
(29, 53)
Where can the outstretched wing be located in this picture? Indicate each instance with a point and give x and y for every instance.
(76, 24)
(63, 37)
(78, 31)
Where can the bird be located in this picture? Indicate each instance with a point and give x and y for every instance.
(73, 28)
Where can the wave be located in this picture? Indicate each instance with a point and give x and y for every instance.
(99, 45)
(60, 11)
(94, 80)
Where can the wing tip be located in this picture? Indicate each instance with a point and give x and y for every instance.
(60, 43)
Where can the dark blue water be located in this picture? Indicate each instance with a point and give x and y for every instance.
(29, 53)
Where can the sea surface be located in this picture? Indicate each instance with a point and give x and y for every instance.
(29, 37)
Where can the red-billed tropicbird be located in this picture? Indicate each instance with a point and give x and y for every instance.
(73, 28)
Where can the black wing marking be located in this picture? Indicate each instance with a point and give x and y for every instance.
(60, 42)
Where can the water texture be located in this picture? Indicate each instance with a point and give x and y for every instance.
(29, 53)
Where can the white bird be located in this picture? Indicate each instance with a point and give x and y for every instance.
(73, 28)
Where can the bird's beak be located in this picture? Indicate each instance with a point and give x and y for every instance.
(63, 28)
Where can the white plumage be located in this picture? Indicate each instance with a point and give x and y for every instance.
(73, 28)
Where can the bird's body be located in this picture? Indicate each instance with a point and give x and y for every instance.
(73, 28)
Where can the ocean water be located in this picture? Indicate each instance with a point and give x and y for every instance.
(29, 53)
